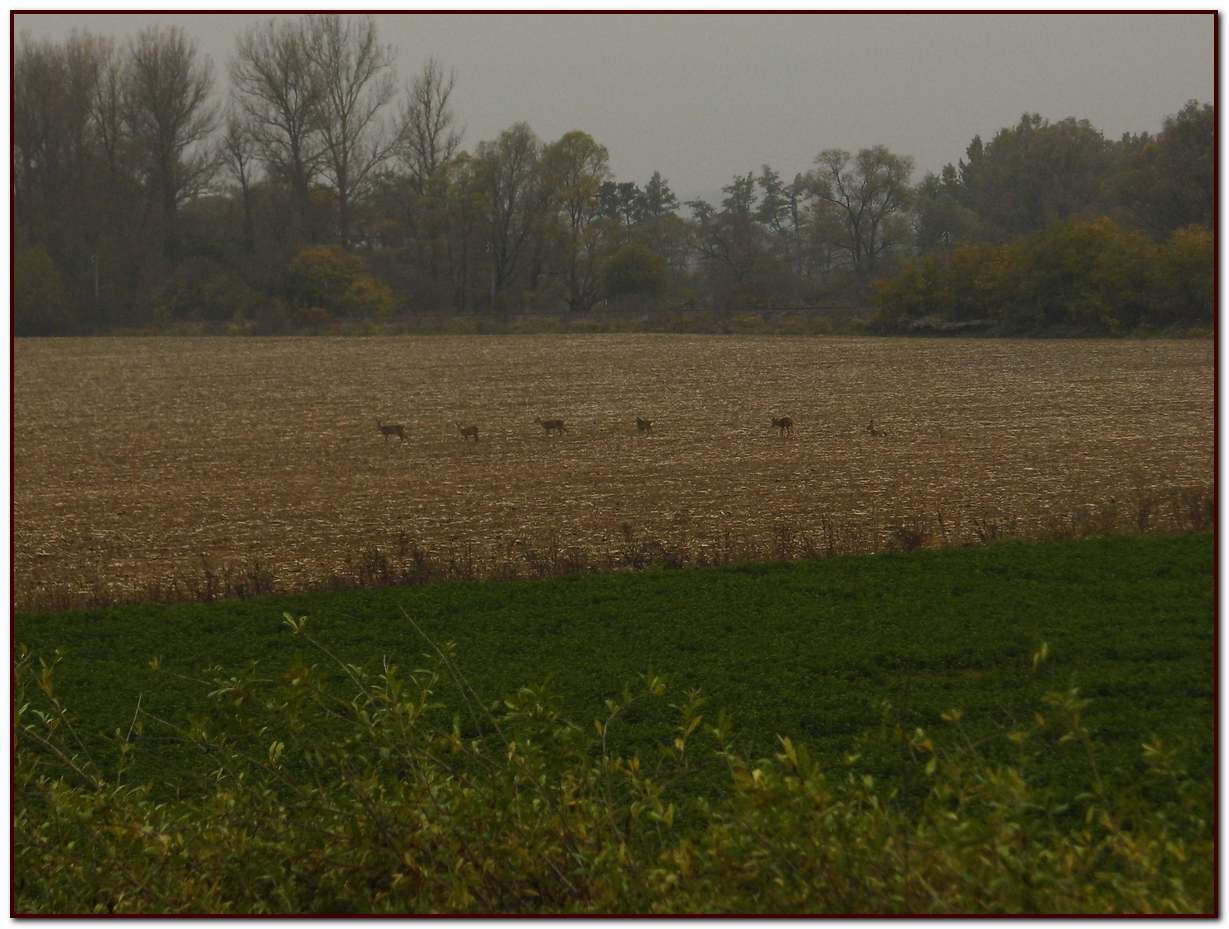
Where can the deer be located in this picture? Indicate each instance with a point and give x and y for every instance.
(644, 425)
(551, 425)
(468, 432)
(874, 430)
(392, 429)
(785, 425)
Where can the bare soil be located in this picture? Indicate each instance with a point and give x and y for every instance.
(137, 460)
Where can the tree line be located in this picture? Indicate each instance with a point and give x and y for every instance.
(324, 188)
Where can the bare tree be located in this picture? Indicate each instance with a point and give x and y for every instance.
(57, 217)
(574, 169)
(506, 179)
(279, 90)
(876, 188)
(731, 240)
(427, 144)
(463, 208)
(167, 102)
(54, 90)
(355, 74)
(429, 138)
(238, 153)
(110, 119)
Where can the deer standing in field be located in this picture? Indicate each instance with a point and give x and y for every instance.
(644, 425)
(392, 429)
(552, 425)
(874, 430)
(785, 425)
(468, 432)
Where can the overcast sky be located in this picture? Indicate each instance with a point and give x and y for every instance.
(701, 97)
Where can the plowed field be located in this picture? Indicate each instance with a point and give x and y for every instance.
(141, 459)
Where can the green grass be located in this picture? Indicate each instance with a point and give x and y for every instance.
(808, 650)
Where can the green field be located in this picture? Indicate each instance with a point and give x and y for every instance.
(810, 649)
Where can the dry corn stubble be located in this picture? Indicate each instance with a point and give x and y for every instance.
(137, 458)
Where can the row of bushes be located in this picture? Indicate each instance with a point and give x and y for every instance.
(334, 790)
(1079, 277)
(1085, 277)
(319, 285)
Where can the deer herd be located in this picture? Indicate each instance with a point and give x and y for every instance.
(783, 424)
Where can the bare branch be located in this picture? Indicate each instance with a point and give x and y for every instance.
(428, 137)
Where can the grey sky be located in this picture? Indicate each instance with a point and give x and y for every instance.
(703, 97)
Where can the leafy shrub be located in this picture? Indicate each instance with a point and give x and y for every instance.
(271, 316)
(1090, 275)
(332, 279)
(321, 276)
(1081, 276)
(1184, 280)
(334, 789)
(635, 271)
(202, 289)
(40, 301)
(312, 318)
(367, 297)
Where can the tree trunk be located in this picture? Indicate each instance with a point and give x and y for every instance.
(170, 249)
(249, 224)
(574, 298)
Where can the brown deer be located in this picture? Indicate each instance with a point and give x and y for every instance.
(551, 425)
(644, 425)
(468, 432)
(785, 425)
(392, 429)
(874, 430)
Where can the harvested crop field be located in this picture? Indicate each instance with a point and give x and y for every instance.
(159, 466)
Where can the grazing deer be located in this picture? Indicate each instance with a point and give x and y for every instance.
(644, 425)
(785, 425)
(874, 430)
(390, 430)
(468, 432)
(551, 425)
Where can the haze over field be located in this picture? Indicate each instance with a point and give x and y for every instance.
(703, 97)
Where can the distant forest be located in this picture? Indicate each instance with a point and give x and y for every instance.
(325, 192)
